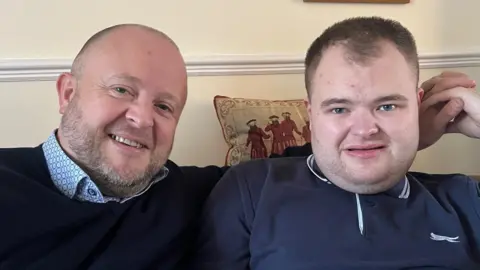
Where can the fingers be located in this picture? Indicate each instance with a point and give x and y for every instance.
(428, 84)
(449, 73)
(451, 110)
(449, 81)
(447, 95)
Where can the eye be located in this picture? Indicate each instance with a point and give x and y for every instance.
(387, 107)
(120, 90)
(164, 107)
(338, 110)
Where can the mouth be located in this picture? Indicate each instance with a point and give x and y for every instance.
(365, 151)
(127, 142)
(366, 147)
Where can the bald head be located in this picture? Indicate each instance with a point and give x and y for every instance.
(100, 35)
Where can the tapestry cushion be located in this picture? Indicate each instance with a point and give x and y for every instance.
(258, 128)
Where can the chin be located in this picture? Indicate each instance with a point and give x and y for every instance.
(369, 180)
(121, 164)
(370, 175)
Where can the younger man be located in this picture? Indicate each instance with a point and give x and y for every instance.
(352, 204)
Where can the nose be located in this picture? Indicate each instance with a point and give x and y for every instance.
(364, 124)
(140, 115)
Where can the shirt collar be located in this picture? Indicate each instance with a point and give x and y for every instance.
(67, 175)
(401, 190)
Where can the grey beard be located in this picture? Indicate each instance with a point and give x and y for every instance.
(81, 140)
(111, 184)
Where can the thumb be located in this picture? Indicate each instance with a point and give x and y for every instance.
(448, 112)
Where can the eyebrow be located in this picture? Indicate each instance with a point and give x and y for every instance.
(167, 96)
(332, 101)
(345, 101)
(395, 97)
(127, 77)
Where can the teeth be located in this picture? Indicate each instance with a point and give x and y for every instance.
(126, 141)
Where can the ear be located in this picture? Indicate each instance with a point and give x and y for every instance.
(66, 88)
(420, 94)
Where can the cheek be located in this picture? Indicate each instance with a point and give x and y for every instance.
(329, 131)
(165, 131)
(103, 112)
(402, 125)
(99, 119)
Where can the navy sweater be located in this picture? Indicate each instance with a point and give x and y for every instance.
(277, 214)
(42, 229)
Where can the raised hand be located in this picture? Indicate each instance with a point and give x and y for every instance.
(435, 115)
(467, 121)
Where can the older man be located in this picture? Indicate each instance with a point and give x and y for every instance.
(100, 192)
(352, 204)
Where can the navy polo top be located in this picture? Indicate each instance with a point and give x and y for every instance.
(283, 214)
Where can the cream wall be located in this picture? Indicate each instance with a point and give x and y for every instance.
(53, 29)
(57, 28)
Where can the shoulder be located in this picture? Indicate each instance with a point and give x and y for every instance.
(253, 174)
(455, 193)
(23, 170)
(455, 184)
(6, 154)
(27, 160)
(267, 165)
(295, 151)
(244, 184)
(441, 179)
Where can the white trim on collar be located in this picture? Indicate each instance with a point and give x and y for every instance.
(310, 163)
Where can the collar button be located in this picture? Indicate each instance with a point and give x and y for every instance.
(370, 203)
(92, 192)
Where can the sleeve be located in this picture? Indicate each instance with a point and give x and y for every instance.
(224, 227)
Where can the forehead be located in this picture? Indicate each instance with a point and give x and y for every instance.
(154, 62)
(387, 74)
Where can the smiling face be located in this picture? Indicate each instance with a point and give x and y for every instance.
(364, 119)
(121, 112)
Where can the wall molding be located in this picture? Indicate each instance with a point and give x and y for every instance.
(20, 70)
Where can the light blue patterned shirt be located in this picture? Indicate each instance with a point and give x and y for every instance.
(73, 182)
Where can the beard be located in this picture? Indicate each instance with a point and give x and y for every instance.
(85, 145)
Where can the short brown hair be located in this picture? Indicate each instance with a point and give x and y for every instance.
(362, 37)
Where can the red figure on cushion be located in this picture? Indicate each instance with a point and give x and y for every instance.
(255, 137)
(278, 141)
(288, 127)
